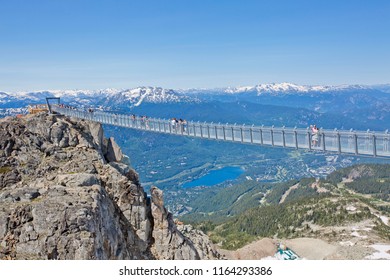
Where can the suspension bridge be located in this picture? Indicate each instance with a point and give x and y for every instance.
(351, 142)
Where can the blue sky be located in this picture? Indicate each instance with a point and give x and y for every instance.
(94, 44)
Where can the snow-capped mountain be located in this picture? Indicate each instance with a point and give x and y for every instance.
(278, 89)
(136, 96)
(352, 106)
(342, 99)
(109, 98)
(152, 95)
(290, 88)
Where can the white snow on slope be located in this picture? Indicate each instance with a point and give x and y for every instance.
(382, 252)
(290, 88)
(134, 96)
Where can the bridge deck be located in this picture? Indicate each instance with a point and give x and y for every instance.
(344, 142)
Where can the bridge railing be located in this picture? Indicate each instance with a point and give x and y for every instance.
(339, 141)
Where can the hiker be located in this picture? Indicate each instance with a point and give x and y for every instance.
(181, 125)
(314, 135)
(143, 118)
(173, 123)
(133, 120)
(146, 120)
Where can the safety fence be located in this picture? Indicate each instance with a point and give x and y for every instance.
(366, 143)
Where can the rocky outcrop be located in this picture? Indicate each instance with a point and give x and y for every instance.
(65, 193)
(112, 150)
(201, 242)
(173, 239)
(169, 242)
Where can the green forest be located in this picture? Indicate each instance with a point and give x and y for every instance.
(239, 214)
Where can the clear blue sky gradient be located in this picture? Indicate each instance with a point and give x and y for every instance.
(93, 44)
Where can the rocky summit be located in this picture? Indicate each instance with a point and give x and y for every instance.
(66, 192)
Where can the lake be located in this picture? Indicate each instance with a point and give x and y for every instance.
(216, 176)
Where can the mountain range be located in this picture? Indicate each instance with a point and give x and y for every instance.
(345, 106)
(136, 96)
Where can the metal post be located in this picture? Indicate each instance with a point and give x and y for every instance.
(242, 135)
(194, 130)
(232, 134)
(49, 106)
(374, 144)
(308, 139)
(323, 142)
(284, 137)
(208, 131)
(224, 133)
(216, 132)
(296, 138)
(201, 131)
(272, 136)
(367, 140)
(251, 133)
(339, 142)
(356, 143)
(261, 136)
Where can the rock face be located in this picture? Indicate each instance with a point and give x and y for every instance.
(170, 243)
(112, 150)
(65, 194)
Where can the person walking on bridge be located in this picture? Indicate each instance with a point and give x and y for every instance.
(173, 124)
(314, 135)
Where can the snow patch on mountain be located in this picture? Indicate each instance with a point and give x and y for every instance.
(112, 98)
(289, 88)
(131, 97)
(152, 95)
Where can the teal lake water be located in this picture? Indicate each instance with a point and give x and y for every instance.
(216, 176)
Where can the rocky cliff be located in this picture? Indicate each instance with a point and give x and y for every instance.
(66, 193)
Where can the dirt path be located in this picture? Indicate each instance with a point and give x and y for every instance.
(284, 196)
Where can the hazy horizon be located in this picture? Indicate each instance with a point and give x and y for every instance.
(190, 88)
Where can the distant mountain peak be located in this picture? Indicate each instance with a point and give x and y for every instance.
(150, 94)
(124, 97)
(286, 87)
